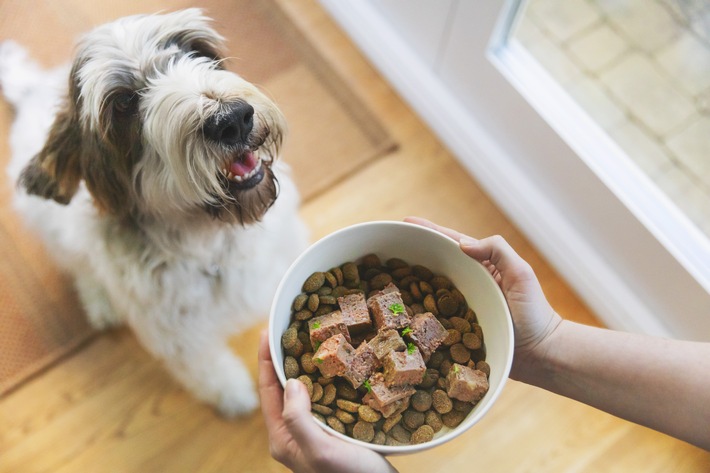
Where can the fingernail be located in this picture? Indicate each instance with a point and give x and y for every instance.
(292, 388)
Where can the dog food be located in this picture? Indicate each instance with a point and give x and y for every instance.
(390, 352)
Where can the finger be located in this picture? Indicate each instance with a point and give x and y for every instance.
(270, 390)
(496, 251)
(449, 232)
(298, 419)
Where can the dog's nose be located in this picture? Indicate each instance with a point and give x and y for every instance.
(231, 126)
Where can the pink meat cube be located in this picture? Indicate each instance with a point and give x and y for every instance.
(403, 367)
(333, 356)
(388, 310)
(386, 341)
(362, 364)
(466, 384)
(325, 326)
(426, 333)
(355, 313)
(384, 398)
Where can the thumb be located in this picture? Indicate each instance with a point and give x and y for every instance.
(297, 416)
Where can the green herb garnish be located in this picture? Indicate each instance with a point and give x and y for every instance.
(316, 346)
(407, 331)
(318, 360)
(456, 368)
(411, 348)
(396, 309)
(367, 385)
(315, 325)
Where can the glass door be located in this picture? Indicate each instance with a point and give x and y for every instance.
(626, 83)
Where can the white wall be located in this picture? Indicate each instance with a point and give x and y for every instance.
(434, 54)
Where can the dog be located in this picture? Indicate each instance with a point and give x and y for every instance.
(153, 180)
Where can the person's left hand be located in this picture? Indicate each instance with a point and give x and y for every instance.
(294, 438)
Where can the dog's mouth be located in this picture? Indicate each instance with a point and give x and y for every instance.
(245, 171)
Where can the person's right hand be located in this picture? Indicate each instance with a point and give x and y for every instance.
(533, 317)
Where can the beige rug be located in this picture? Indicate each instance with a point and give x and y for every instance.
(331, 135)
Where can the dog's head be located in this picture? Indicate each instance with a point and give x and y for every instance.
(156, 127)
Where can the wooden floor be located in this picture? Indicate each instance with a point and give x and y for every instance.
(111, 408)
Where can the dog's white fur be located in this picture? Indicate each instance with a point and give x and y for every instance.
(128, 195)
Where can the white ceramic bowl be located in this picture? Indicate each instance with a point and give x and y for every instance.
(415, 245)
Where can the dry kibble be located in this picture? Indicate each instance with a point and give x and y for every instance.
(421, 401)
(345, 391)
(371, 261)
(416, 292)
(460, 324)
(321, 409)
(299, 302)
(379, 438)
(291, 368)
(436, 358)
(289, 338)
(400, 434)
(422, 272)
(441, 282)
(427, 290)
(308, 383)
(331, 279)
(380, 281)
(391, 422)
(314, 282)
(317, 392)
(303, 314)
(364, 431)
(368, 414)
(296, 350)
(447, 305)
(460, 354)
(452, 418)
(453, 337)
(335, 424)
(441, 401)
(471, 341)
(483, 366)
(318, 417)
(423, 434)
(350, 273)
(307, 363)
(430, 304)
(329, 300)
(462, 406)
(396, 263)
(344, 416)
(313, 302)
(346, 405)
(433, 419)
(329, 393)
(413, 419)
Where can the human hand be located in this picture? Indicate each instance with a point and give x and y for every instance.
(294, 438)
(533, 317)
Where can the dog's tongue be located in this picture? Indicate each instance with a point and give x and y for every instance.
(242, 166)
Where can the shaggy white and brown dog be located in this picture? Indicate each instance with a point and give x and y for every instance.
(153, 180)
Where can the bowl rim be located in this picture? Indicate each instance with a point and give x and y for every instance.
(452, 433)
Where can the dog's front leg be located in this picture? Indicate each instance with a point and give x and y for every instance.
(204, 364)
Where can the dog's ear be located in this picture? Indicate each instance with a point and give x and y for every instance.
(55, 172)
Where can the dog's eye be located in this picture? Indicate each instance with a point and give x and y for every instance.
(125, 102)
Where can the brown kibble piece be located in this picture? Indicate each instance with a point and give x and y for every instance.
(380, 281)
(460, 354)
(307, 363)
(329, 394)
(317, 392)
(460, 324)
(350, 273)
(422, 272)
(308, 383)
(314, 282)
(321, 409)
(413, 419)
(421, 401)
(453, 418)
(364, 431)
(433, 419)
(430, 304)
(483, 366)
(289, 338)
(447, 305)
(441, 402)
(368, 414)
(400, 434)
(379, 438)
(453, 337)
(423, 434)
(335, 424)
(291, 368)
(391, 422)
(348, 406)
(471, 341)
(299, 302)
(344, 416)
(313, 302)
